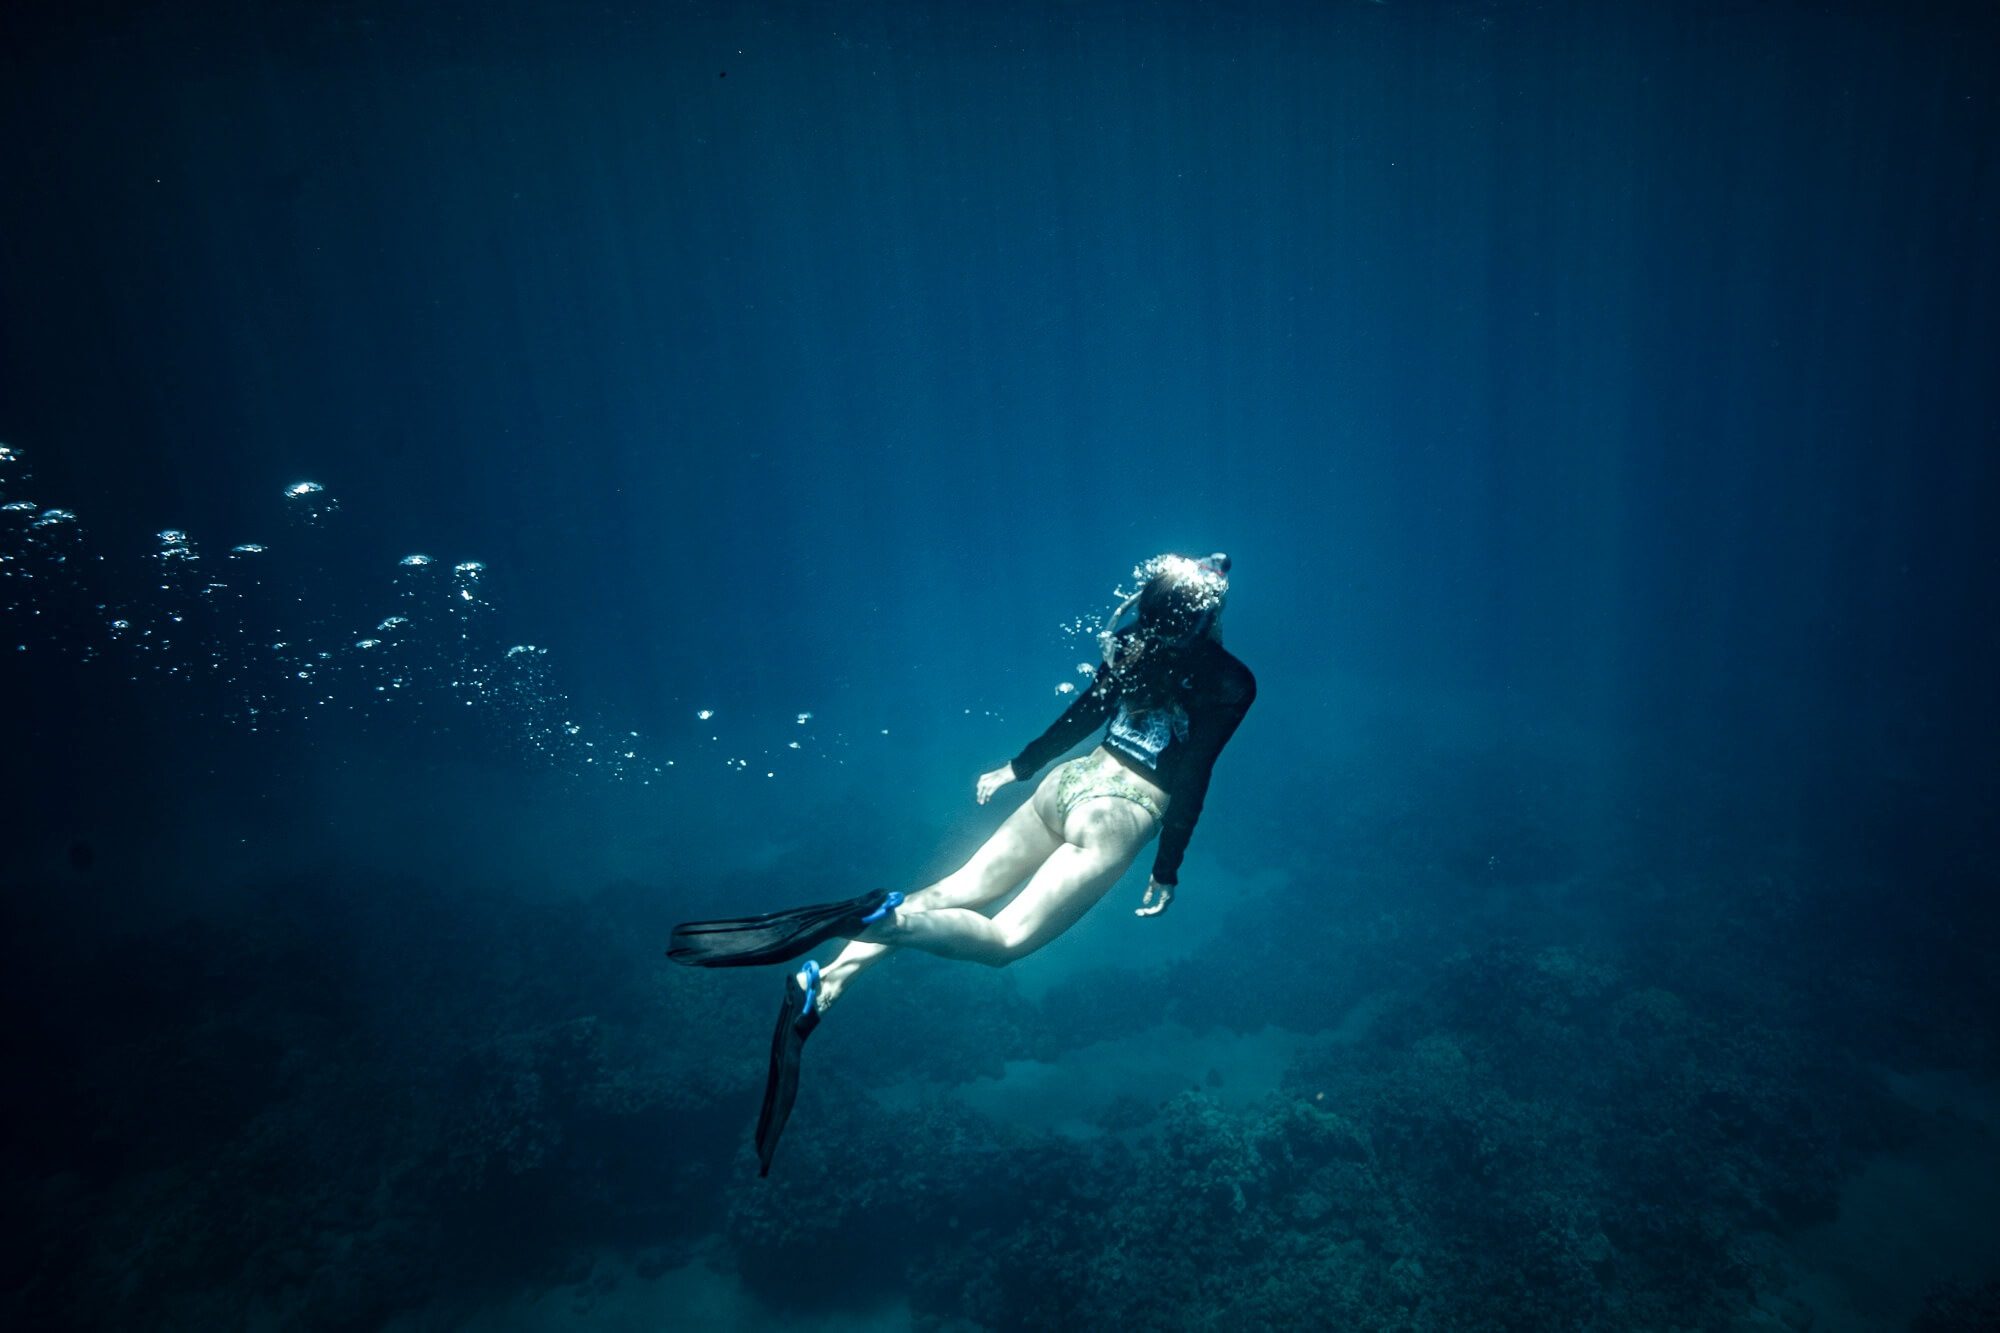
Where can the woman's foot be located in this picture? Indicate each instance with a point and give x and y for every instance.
(880, 930)
(832, 980)
(880, 925)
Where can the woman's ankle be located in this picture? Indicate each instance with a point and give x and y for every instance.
(830, 988)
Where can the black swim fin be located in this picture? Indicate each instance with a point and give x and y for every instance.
(797, 1017)
(780, 937)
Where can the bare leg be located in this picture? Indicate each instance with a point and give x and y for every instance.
(1103, 836)
(1019, 845)
(1069, 884)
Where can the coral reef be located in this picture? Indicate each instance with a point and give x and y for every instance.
(326, 1110)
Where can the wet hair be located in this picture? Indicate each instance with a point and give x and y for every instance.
(1173, 611)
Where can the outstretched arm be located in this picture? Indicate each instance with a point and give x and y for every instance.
(1208, 740)
(1085, 715)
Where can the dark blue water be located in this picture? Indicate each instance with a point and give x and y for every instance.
(1591, 926)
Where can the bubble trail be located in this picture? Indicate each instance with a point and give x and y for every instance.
(251, 636)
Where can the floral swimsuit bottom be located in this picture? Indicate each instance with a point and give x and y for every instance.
(1098, 774)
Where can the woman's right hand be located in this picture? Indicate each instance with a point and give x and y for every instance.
(994, 781)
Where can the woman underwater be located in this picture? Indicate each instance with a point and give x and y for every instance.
(1174, 696)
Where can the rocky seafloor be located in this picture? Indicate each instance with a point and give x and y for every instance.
(1447, 1071)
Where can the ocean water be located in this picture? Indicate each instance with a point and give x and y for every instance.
(480, 484)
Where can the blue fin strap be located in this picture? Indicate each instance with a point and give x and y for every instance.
(889, 904)
(811, 973)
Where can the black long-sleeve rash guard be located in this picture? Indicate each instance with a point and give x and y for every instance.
(1175, 746)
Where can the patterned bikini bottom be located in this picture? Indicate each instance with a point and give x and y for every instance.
(1098, 774)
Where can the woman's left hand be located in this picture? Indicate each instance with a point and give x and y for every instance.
(994, 781)
(1158, 897)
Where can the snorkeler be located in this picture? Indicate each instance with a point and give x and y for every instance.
(1174, 696)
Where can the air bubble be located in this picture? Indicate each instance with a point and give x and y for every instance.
(307, 502)
(275, 650)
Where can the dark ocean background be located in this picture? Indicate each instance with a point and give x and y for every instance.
(1592, 926)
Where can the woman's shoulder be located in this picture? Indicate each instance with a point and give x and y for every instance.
(1229, 672)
